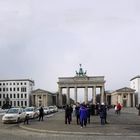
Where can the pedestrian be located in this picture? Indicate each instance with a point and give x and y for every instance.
(41, 113)
(83, 115)
(119, 107)
(138, 107)
(77, 113)
(88, 114)
(71, 111)
(97, 109)
(116, 110)
(67, 114)
(26, 119)
(102, 112)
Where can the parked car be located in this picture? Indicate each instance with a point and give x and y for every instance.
(46, 110)
(31, 112)
(14, 115)
(51, 109)
(55, 108)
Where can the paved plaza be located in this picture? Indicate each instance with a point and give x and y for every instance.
(126, 124)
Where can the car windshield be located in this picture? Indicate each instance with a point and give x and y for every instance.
(46, 108)
(29, 109)
(51, 107)
(13, 110)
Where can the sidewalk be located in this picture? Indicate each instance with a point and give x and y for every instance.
(128, 123)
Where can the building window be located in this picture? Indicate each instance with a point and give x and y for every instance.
(7, 96)
(3, 89)
(0, 89)
(25, 103)
(3, 84)
(10, 89)
(21, 83)
(6, 89)
(25, 83)
(14, 103)
(13, 83)
(18, 103)
(3, 95)
(25, 95)
(17, 95)
(21, 95)
(14, 89)
(10, 95)
(0, 95)
(3, 102)
(17, 89)
(17, 83)
(0, 103)
(11, 103)
(10, 83)
(6, 83)
(14, 95)
(22, 103)
(0, 84)
(23, 89)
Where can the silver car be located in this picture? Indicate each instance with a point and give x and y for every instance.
(14, 115)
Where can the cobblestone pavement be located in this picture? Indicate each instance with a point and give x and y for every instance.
(128, 123)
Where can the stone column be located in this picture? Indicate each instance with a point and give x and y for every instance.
(86, 95)
(128, 100)
(94, 95)
(102, 94)
(68, 95)
(36, 101)
(60, 97)
(75, 94)
(133, 99)
(47, 100)
(42, 103)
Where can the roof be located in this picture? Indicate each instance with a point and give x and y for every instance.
(138, 76)
(42, 91)
(125, 89)
(17, 80)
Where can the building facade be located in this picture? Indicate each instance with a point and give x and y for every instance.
(125, 96)
(135, 84)
(42, 97)
(17, 92)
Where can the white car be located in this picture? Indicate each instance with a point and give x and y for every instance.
(14, 115)
(51, 109)
(55, 108)
(46, 110)
(31, 112)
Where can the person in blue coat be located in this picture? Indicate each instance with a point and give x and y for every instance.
(83, 115)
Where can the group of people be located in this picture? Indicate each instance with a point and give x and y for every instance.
(83, 112)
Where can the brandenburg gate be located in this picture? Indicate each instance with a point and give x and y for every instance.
(81, 80)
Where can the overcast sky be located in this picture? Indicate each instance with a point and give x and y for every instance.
(46, 39)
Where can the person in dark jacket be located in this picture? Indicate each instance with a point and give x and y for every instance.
(102, 112)
(41, 113)
(88, 114)
(67, 114)
(77, 113)
(71, 111)
(83, 115)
